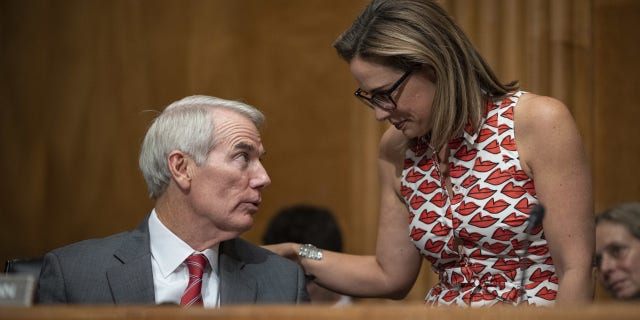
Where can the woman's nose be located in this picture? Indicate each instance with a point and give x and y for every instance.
(607, 264)
(381, 114)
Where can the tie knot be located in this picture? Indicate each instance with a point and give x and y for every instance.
(196, 263)
(197, 258)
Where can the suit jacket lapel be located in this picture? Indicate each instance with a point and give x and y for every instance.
(131, 277)
(236, 286)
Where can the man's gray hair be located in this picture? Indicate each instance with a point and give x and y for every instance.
(185, 125)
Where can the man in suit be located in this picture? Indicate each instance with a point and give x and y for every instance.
(201, 159)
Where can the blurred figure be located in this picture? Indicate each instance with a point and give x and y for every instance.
(310, 225)
(618, 250)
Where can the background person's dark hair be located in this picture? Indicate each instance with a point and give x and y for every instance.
(626, 214)
(305, 224)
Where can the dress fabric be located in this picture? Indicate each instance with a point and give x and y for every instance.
(475, 237)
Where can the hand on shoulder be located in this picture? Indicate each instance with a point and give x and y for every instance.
(285, 249)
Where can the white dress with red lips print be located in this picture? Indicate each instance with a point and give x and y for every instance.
(475, 237)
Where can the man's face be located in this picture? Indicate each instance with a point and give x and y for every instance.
(618, 260)
(226, 189)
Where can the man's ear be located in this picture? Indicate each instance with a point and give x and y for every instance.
(180, 165)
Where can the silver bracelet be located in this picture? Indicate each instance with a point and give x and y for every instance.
(310, 251)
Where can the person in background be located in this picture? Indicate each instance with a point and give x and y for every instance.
(464, 161)
(313, 225)
(201, 159)
(617, 257)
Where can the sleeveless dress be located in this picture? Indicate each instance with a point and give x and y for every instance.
(475, 237)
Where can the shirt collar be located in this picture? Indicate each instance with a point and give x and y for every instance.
(170, 251)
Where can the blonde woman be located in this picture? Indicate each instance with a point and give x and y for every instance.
(466, 159)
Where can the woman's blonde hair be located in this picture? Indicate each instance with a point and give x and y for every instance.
(413, 34)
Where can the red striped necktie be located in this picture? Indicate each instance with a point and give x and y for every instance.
(193, 293)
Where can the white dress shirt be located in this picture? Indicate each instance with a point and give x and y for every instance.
(170, 274)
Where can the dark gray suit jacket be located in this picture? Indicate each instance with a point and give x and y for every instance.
(117, 270)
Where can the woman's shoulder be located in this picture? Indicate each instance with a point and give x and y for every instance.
(393, 145)
(539, 105)
(538, 112)
(541, 122)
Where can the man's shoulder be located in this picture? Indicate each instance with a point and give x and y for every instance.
(251, 253)
(94, 246)
(105, 244)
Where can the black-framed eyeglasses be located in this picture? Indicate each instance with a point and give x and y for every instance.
(382, 100)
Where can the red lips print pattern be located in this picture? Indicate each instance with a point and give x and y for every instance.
(474, 237)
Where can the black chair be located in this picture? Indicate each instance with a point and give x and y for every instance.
(29, 266)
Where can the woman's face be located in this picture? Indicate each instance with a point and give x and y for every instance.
(413, 97)
(618, 260)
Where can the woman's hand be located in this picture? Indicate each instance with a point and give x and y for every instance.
(288, 250)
